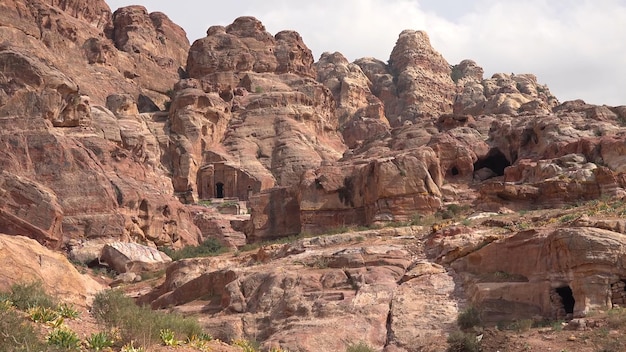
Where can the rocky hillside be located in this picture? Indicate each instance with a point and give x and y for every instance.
(119, 137)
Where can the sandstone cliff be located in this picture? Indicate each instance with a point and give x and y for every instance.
(113, 128)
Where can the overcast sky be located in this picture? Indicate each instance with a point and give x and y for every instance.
(576, 47)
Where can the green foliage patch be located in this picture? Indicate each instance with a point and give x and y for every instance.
(140, 324)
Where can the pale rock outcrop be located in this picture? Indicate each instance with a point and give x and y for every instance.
(133, 257)
(23, 261)
(359, 112)
(423, 79)
(503, 93)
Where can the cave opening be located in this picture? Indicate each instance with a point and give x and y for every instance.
(494, 160)
(567, 297)
(454, 171)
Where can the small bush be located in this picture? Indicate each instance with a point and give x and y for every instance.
(67, 311)
(99, 341)
(130, 347)
(469, 318)
(459, 341)
(210, 247)
(246, 345)
(617, 318)
(140, 324)
(18, 334)
(522, 325)
(42, 315)
(168, 337)
(29, 295)
(359, 347)
(65, 338)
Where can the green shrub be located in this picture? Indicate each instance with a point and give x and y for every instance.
(99, 341)
(359, 347)
(18, 334)
(247, 345)
(616, 318)
(459, 341)
(140, 324)
(469, 318)
(168, 337)
(210, 247)
(67, 311)
(65, 338)
(29, 295)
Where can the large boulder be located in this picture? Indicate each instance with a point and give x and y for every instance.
(133, 257)
(23, 260)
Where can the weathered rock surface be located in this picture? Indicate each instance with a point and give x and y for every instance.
(423, 79)
(503, 93)
(70, 174)
(23, 260)
(299, 292)
(90, 162)
(133, 257)
(585, 260)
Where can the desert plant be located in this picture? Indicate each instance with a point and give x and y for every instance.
(168, 337)
(616, 317)
(459, 341)
(469, 318)
(137, 323)
(246, 345)
(65, 338)
(67, 311)
(210, 247)
(522, 325)
(359, 347)
(29, 295)
(99, 341)
(130, 347)
(41, 314)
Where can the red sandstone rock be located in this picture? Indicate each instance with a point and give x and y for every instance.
(23, 260)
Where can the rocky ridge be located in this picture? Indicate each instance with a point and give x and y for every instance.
(117, 133)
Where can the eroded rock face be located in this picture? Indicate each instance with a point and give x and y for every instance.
(586, 260)
(423, 79)
(23, 260)
(359, 112)
(68, 174)
(503, 93)
(245, 45)
(306, 288)
(153, 39)
(250, 105)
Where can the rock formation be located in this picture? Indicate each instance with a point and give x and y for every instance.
(113, 129)
(23, 260)
(72, 169)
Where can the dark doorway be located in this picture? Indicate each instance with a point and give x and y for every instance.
(568, 298)
(219, 190)
(494, 160)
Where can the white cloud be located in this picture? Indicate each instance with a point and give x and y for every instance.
(577, 47)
